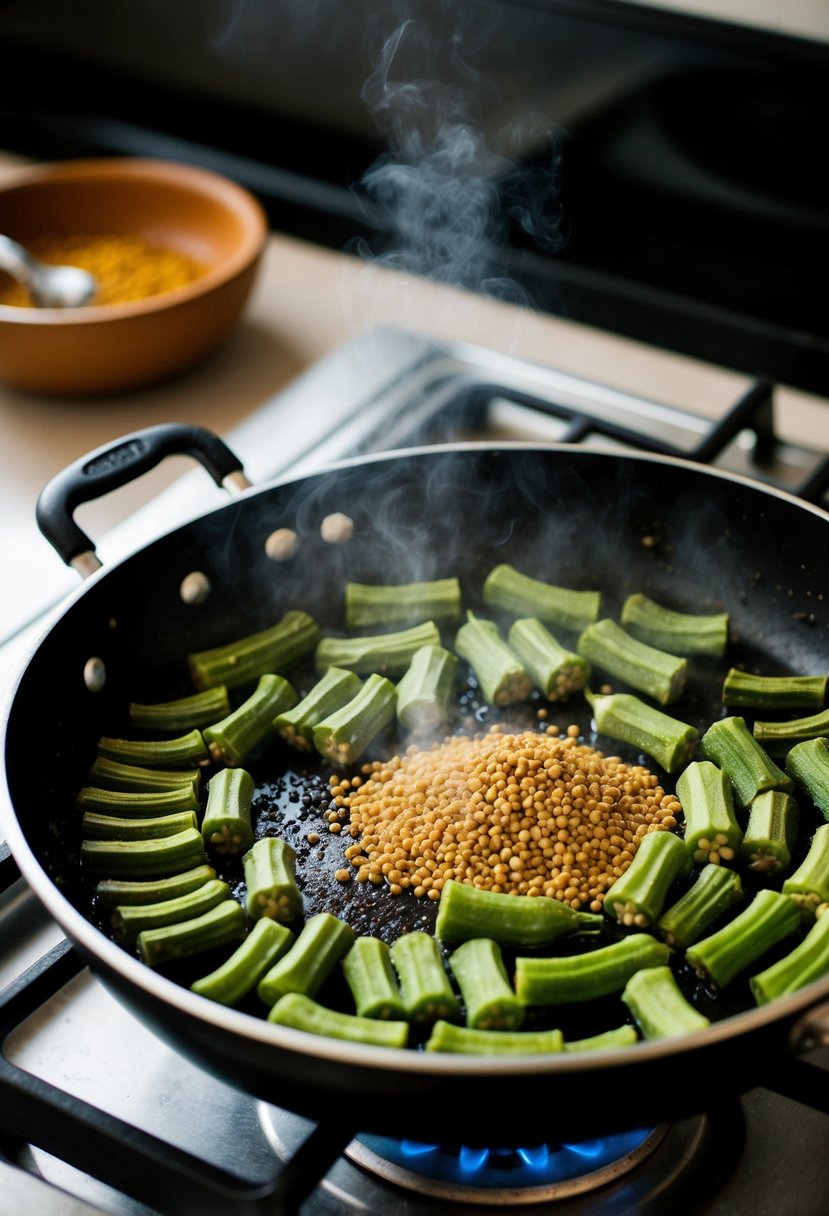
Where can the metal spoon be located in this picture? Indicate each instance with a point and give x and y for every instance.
(49, 286)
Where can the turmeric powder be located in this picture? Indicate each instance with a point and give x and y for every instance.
(126, 267)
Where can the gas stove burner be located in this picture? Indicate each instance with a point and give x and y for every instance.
(505, 1176)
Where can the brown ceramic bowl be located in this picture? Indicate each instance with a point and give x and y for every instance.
(110, 348)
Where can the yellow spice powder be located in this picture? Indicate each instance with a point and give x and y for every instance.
(126, 267)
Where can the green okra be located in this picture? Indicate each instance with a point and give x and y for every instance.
(368, 605)
(768, 919)
(500, 673)
(466, 912)
(387, 654)
(189, 748)
(584, 977)
(233, 739)
(222, 925)
(488, 997)
(114, 775)
(424, 690)
(110, 892)
(712, 833)
(771, 833)
(808, 962)
(636, 898)
(659, 1006)
(322, 942)
(676, 632)
(238, 975)
(137, 804)
(555, 671)
(183, 713)
(335, 689)
(226, 826)
(809, 884)
(345, 735)
(270, 880)
(372, 981)
(157, 857)
(659, 675)
(744, 688)
(808, 765)
(128, 920)
(243, 661)
(120, 827)
(627, 719)
(522, 596)
(715, 890)
(730, 745)
(464, 1040)
(300, 1012)
(779, 737)
(424, 983)
(619, 1036)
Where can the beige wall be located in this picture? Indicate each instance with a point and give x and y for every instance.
(806, 18)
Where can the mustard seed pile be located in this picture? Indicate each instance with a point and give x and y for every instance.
(527, 814)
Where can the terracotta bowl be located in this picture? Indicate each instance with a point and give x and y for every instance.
(110, 348)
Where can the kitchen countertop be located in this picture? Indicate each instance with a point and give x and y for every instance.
(306, 301)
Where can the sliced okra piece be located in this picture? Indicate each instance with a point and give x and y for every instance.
(715, 890)
(270, 650)
(627, 719)
(300, 1012)
(730, 744)
(424, 690)
(677, 632)
(137, 803)
(157, 857)
(120, 827)
(584, 977)
(619, 1036)
(114, 775)
(322, 942)
(387, 654)
(768, 919)
(712, 833)
(156, 753)
(233, 739)
(345, 735)
(809, 961)
(371, 980)
(808, 765)
(636, 898)
(222, 925)
(226, 826)
(110, 892)
(555, 671)
(466, 912)
(424, 984)
(771, 833)
(230, 983)
(660, 675)
(559, 607)
(488, 997)
(659, 1006)
(500, 673)
(368, 605)
(465, 1040)
(744, 688)
(129, 920)
(335, 689)
(183, 713)
(779, 737)
(809, 884)
(270, 880)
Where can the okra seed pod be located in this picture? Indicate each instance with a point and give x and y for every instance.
(322, 942)
(628, 719)
(523, 596)
(142, 804)
(715, 890)
(730, 745)
(384, 605)
(809, 884)
(346, 734)
(184, 713)
(583, 977)
(115, 775)
(189, 748)
(110, 892)
(230, 983)
(223, 924)
(808, 764)
(296, 725)
(555, 671)
(636, 899)
(423, 691)
(771, 832)
(466, 912)
(779, 737)
(387, 654)
(424, 984)
(487, 994)
(302, 1013)
(233, 739)
(808, 962)
(226, 826)
(655, 672)
(500, 673)
(768, 919)
(270, 880)
(677, 632)
(660, 1008)
(744, 688)
(619, 1036)
(131, 919)
(712, 833)
(119, 827)
(275, 649)
(371, 980)
(143, 859)
(463, 1040)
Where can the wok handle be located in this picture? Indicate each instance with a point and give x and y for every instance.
(115, 465)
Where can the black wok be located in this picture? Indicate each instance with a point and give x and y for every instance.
(692, 538)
